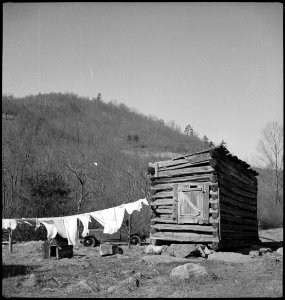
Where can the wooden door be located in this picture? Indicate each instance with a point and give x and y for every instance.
(191, 203)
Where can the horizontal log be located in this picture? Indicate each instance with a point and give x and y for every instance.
(162, 194)
(238, 195)
(163, 215)
(184, 159)
(221, 166)
(235, 184)
(238, 192)
(178, 227)
(209, 150)
(244, 227)
(242, 193)
(233, 212)
(240, 239)
(229, 219)
(162, 220)
(238, 205)
(186, 164)
(164, 207)
(223, 176)
(158, 202)
(202, 177)
(155, 187)
(231, 234)
(235, 164)
(163, 211)
(190, 170)
(242, 199)
(183, 237)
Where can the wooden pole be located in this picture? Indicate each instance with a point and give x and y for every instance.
(130, 220)
(10, 240)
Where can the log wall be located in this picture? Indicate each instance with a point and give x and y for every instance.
(194, 169)
(232, 198)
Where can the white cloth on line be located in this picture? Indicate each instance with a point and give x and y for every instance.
(9, 223)
(111, 218)
(60, 226)
(70, 223)
(137, 205)
(50, 227)
(85, 219)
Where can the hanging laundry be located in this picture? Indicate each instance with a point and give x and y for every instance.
(60, 226)
(50, 227)
(98, 216)
(85, 219)
(70, 223)
(131, 207)
(9, 223)
(111, 218)
(31, 221)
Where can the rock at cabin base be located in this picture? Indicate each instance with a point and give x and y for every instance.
(183, 250)
(264, 250)
(254, 253)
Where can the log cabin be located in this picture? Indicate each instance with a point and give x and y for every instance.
(207, 197)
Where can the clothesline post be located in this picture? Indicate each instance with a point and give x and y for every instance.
(130, 225)
(10, 240)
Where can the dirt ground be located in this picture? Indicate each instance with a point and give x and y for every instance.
(26, 274)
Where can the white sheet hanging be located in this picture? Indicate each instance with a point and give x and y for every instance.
(50, 227)
(70, 223)
(85, 219)
(9, 223)
(137, 205)
(110, 218)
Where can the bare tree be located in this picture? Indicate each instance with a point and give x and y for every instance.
(79, 167)
(270, 149)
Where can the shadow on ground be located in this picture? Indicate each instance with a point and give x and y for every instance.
(273, 245)
(15, 270)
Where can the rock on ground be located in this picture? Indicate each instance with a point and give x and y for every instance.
(280, 251)
(151, 249)
(31, 281)
(183, 250)
(188, 270)
(230, 257)
(264, 250)
(130, 283)
(81, 285)
(254, 253)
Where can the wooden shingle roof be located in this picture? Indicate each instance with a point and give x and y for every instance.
(224, 152)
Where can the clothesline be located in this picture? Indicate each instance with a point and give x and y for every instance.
(66, 226)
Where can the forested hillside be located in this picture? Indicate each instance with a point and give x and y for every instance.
(63, 154)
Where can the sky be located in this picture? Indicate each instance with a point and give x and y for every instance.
(216, 66)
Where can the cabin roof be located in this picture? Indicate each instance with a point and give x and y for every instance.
(223, 151)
